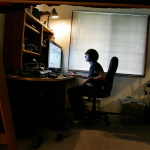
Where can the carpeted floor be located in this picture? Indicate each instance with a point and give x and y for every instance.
(117, 136)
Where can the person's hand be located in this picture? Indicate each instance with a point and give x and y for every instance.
(84, 82)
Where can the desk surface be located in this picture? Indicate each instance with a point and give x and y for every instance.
(59, 78)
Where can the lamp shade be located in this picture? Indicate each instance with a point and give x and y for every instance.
(54, 13)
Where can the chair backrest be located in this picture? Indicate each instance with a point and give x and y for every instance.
(108, 84)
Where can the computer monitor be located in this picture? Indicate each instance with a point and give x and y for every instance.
(53, 56)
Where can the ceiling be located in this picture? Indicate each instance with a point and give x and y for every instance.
(16, 5)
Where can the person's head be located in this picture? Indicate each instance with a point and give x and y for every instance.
(91, 55)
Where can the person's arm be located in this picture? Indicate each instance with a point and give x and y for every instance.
(101, 77)
(78, 75)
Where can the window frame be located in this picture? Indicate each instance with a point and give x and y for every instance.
(119, 74)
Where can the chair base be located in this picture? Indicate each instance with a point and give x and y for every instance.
(100, 115)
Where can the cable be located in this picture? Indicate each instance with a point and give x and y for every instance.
(67, 89)
(66, 121)
(65, 131)
(148, 101)
(145, 94)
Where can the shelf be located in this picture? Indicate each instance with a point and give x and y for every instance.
(33, 19)
(28, 26)
(33, 53)
(19, 28)
(46, 29)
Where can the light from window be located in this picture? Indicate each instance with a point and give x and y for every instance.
(111, 34)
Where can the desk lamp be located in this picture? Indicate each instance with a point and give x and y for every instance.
(54, 13)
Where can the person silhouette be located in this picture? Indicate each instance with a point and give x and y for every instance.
(93, 81)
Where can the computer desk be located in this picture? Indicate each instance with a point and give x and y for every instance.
(34, 97)
(59, 78)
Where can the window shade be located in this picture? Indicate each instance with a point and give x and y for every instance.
(111, 34)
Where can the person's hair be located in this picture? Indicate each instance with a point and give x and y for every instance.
(93, 54)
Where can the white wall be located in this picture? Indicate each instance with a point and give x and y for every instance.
(123, 85)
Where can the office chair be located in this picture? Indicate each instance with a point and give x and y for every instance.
(105, 92)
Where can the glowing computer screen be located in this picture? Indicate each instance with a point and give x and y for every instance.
(54, 55)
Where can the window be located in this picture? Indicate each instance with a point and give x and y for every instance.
(111, 34)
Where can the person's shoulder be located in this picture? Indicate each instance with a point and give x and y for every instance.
(97, 64)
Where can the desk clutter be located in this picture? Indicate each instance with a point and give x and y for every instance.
(36, 70)
(37, 73)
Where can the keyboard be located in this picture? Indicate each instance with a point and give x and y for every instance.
(65, 74)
